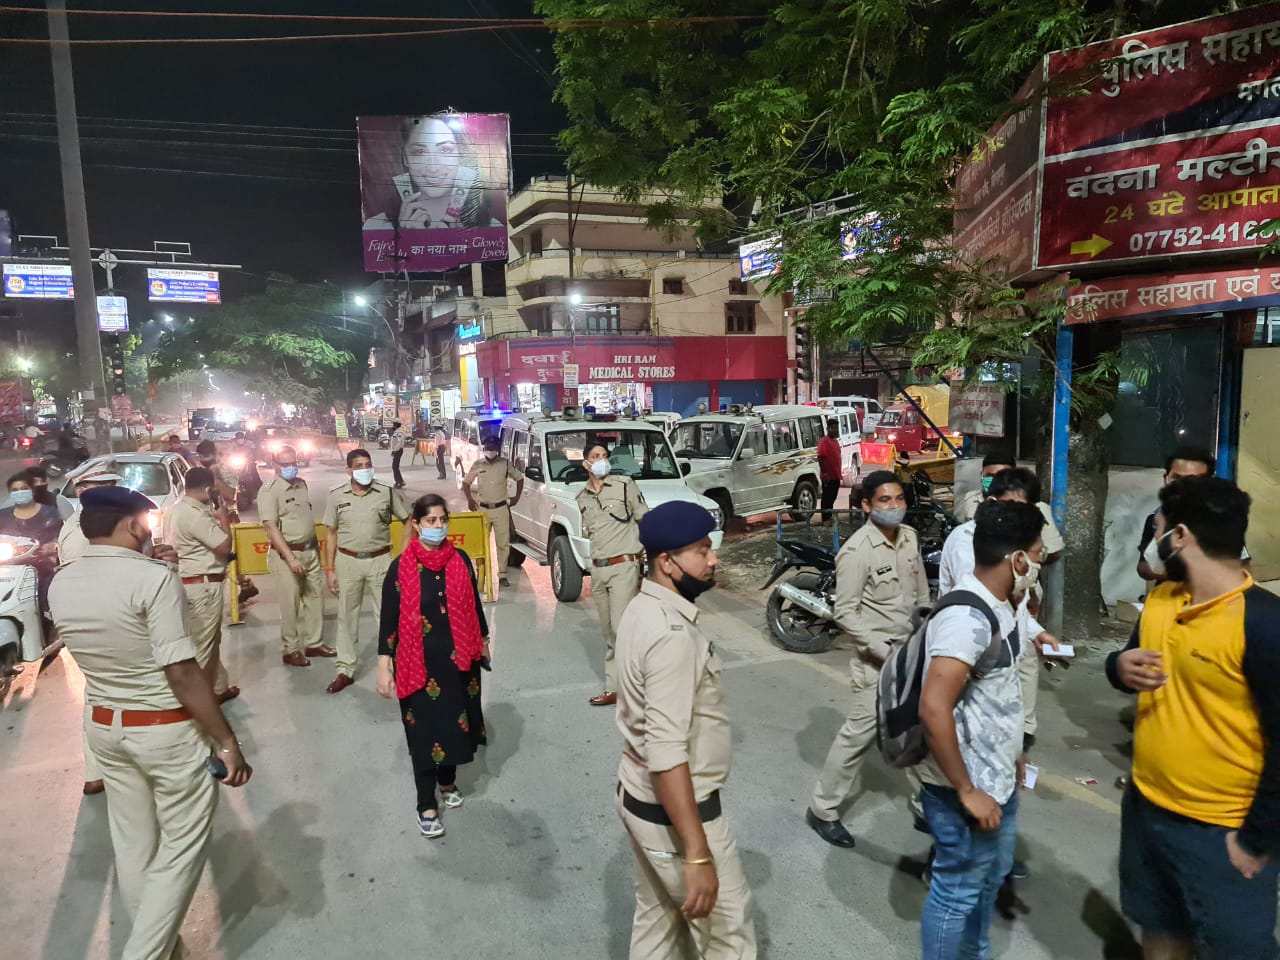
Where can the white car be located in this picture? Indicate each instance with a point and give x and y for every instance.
(869, 410)
(754, 461)
(548, 524)
(160, 476)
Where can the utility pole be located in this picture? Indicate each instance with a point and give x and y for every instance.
(92, 375)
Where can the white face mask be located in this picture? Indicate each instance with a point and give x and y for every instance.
(491, 454)
(363, 477)
(1022, 582)
(601, 468)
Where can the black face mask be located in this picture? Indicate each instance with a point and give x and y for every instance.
(690, 587)
(1175, 568)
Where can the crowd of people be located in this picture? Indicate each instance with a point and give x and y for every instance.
(1201, 814)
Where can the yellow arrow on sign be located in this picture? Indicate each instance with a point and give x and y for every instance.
(1093, 246)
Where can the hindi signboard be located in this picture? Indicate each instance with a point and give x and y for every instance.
(168, 285)
(434, 190)
(570, 376)
(38, 281)
(1155, 295)
(978, 410)
(1171, 148)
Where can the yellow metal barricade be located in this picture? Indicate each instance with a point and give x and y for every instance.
(468, 532)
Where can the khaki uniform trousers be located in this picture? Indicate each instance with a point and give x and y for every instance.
(855, 738)
(91, 769)
(204, 610)
(659, 931)
(500, 520)
(301, 600)
(1029, 678)
(613, 588)
(160, 804)
(357, 579)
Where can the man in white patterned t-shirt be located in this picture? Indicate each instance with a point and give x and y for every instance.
(972, 712)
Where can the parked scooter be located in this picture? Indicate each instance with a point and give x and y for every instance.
(22, 638)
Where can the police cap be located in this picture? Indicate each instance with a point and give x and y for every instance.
(674, 526)
(492, 443)
(119, 500)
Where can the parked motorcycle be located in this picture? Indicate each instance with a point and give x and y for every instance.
(248, 479)
(22, 636)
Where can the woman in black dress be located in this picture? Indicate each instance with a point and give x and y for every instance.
(432, 640)
(27, 517)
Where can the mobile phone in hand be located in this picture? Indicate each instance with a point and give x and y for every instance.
(217, 769)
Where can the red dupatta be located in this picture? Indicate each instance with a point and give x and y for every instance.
(460, 602)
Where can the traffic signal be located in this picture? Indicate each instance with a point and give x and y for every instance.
(804, 353)
(116, 353)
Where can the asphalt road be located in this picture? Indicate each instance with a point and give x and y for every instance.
(319, 855)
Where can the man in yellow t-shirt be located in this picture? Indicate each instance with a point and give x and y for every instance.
(1200, 828)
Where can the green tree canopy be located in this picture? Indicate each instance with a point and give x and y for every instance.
(291, 341)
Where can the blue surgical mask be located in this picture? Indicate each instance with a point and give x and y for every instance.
(20, 498)
(363, 477)
(434, 536)
(289, 473)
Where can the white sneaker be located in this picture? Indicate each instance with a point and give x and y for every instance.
(451, 798)
(431, 827)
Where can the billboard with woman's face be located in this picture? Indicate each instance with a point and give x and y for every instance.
(434, 190)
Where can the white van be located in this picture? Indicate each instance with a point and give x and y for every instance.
(754, 461)
(471, 428)
(850, 444)
(869, 410)
(549, 451)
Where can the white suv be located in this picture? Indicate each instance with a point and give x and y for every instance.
(753, 461)
(548, 524)
(869, 410)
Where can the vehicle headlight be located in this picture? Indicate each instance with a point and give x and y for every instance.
(718, 514)
(154, 520)
(893, 436)
(237, 462)
(306, 446)
(6, 551)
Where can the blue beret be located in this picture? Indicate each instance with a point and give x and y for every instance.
(115, 499)
(675, 525)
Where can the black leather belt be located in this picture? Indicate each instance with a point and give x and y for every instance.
(614, 561)
(493, 506)
(301, 546)
(708, 809)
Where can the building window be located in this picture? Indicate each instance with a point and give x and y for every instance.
(673, 285)
(738, 288)
(602, 318)
(740, 316)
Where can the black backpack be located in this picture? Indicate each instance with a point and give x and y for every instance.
(899, 732)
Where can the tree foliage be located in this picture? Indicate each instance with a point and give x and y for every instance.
(289, 341)
(867, 106)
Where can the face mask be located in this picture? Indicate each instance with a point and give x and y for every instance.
(600, 468)
(289, 473)
(491, 454)
(363, 477)
(21, 498)
(434, 536)
(1164, 560)
(986, 483)
(1022, 582)
(691, 588)
(892, 518)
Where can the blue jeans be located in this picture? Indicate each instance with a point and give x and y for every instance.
(968, 869)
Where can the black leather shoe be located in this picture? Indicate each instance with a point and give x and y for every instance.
(832, 831)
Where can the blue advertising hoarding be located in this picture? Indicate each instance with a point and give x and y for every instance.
(40, 281)
(166, 285)
(761, 258)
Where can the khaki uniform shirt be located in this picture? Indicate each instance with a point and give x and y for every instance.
(671, 709)
(490, 477)
(225, 475)
(1053, 542)
(878, 586)
(363, 522)
(71, 539)
(123, 617)
(192, 530)
(288, 505)
(611, 518)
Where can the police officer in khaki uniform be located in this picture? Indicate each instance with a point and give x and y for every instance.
(490, 474)
(199, 530)
(880, 580)
(611, 508)
(284, 506)
(71, 546)
(357, 550)
(691, 890)
(227, 485)
(153, 715)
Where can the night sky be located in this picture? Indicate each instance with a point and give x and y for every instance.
(186, 151)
